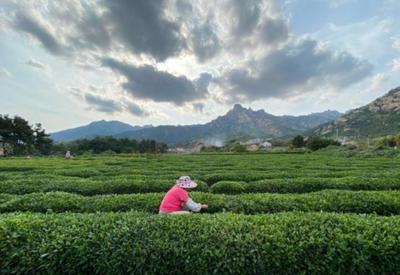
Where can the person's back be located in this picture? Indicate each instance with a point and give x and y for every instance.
(174, 199)
(177, 199)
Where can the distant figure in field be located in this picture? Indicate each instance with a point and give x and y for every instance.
(177, 200)
(68, 155)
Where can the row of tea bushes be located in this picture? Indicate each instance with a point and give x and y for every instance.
(286, 243)
(380, 202)
(209, 168)
(126, 185)
(303, 185)
(90, 187)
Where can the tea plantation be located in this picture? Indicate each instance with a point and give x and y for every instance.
(268, 214)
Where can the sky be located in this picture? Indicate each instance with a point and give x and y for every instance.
(67, 63)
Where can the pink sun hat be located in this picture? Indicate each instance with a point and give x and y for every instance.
(186, 182)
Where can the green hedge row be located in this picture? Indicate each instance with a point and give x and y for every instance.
(304, 185)
(286, 243)
(380, 202)
(89, 187)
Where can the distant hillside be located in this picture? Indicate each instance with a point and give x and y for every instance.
(97, 128)
(237, 122)
(380, 117)
(303, 123)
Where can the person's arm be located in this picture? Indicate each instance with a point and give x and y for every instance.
(195, 207)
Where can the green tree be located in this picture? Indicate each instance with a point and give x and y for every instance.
(298, 141)
(22, 138)
(6, 126)
(42, 142)
(99, 145)
(239, 148)
(316, 142)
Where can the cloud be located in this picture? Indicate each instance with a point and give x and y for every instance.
(146, 82)
(244, 16)
(136, 27)
(334, 4)
(396, 65)
(102, 104)
(205, 42)
(298, 67)
(4, 72)
(28, 23)
(36, 64)
(198, 107)
(91, 32)
(396, 43)
(376, 81)
(250, 28)
(136, 110)
(143, 26)
(89, 93)
(274, 30)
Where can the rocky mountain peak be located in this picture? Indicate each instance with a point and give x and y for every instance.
(238, 108)
(378, 118)
(387, 103)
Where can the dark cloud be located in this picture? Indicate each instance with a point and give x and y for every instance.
(142, 25)
(138, 26)
(92, 32)
(147, 82)
(35, 64)
(205, 42)
(28, 23)
(244, 16)
(274, 31)
(297, 67)
(136, 110)
(201, 83)
(101, 104)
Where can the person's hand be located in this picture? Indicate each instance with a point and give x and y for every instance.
(204, 206)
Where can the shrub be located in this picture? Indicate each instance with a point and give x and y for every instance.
(232, 176)
(201, 186)
(303, 185)
(298, 141)
(239, 148)
(287, 243)
(384, 203)
(316, 142)
(227, 187)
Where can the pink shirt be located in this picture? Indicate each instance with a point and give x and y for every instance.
(174, 199)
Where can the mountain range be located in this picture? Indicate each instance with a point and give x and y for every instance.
(378, 118)
(238, 122)
(97, 128)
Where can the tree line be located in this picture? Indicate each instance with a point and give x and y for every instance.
(313, 142)
(110, 144)
(18, 137)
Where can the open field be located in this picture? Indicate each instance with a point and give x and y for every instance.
(269, 213)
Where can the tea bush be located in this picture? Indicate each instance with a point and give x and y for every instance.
(380, 202)
(228, 187)
(287, 243)
(107, 238)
